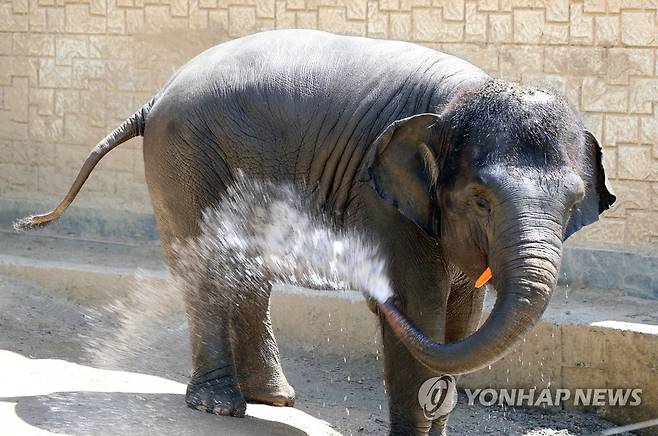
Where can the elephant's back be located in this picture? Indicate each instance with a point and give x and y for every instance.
(302, 63)
(290, 74)
(299, 104)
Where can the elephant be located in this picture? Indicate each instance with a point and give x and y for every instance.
(448, 169)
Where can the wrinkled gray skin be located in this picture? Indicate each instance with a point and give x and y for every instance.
(448, 170)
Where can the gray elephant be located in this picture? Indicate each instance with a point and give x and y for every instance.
(449, 170)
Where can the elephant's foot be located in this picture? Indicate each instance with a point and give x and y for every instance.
(217, 392)
(261, 376)
(280, 394)
(439, 427)
(402, 427)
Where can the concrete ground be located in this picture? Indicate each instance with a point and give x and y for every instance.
(51, 383)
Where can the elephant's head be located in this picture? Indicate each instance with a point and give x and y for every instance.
(501, 177)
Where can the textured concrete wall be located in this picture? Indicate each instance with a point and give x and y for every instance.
(72, 70)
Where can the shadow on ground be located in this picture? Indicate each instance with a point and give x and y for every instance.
(57, 396)
(119, 413)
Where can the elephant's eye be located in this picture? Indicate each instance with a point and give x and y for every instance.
(482, 203)
(571, 210)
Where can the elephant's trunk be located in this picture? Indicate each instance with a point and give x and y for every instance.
(525, 260)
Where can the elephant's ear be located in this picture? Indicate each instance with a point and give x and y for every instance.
(598, 192)
(405, 168)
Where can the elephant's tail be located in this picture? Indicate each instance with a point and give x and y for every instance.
(133, 126)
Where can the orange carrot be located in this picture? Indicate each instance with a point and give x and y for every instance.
(484, 278)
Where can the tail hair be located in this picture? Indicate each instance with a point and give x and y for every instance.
(29, 223)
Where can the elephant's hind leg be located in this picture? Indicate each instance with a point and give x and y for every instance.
(181, 189)
(257, 354)
(213, 386)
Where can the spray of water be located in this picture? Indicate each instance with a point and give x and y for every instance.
(264, 232)
(259, 233)
(145, 331)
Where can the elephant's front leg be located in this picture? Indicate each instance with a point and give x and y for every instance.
(421, 285)
(463, 314)
(404, 375)
(213, 386)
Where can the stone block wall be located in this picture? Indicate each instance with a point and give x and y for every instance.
(71, 70)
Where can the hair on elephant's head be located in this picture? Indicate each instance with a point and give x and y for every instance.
(501, 177)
